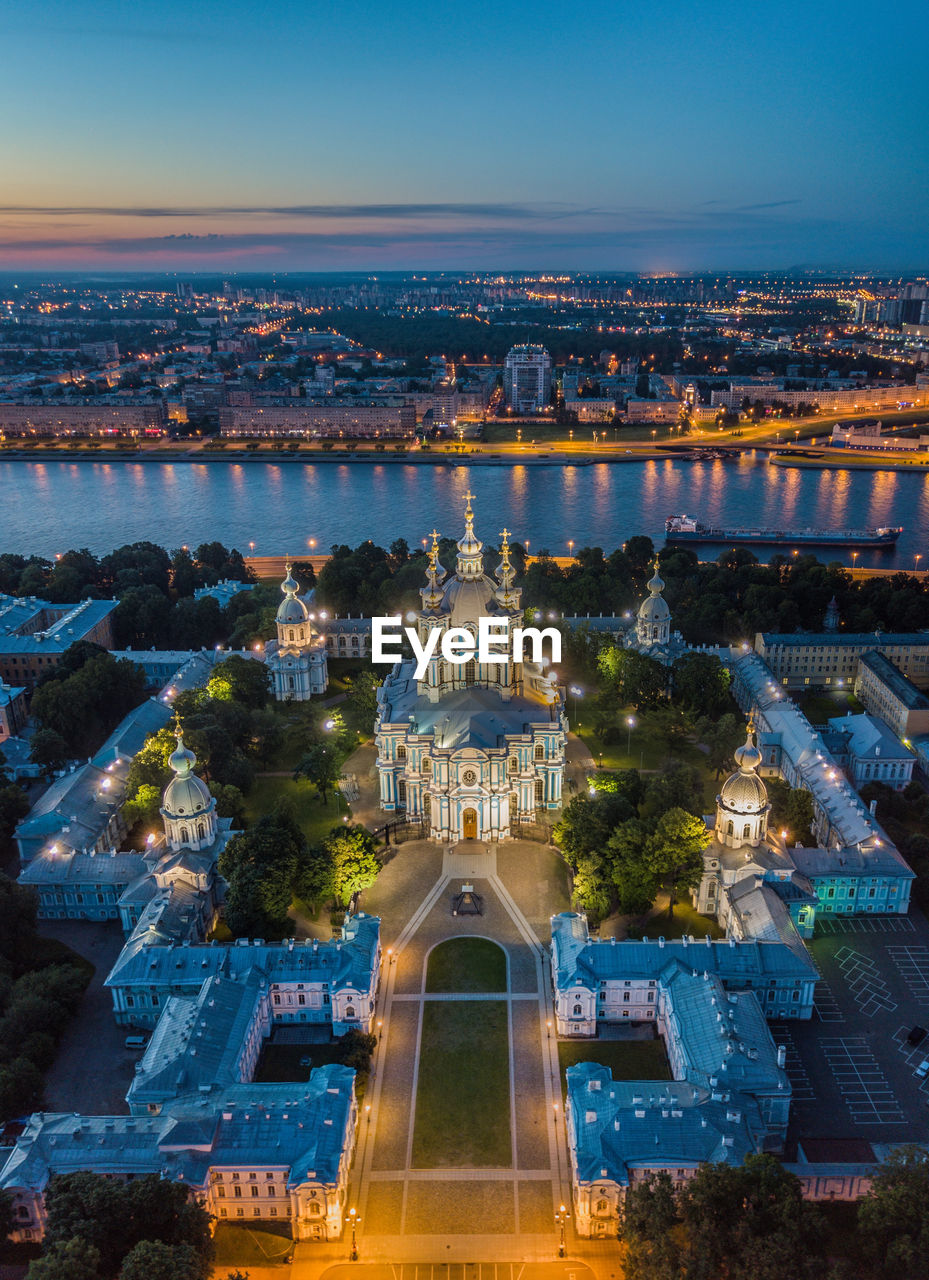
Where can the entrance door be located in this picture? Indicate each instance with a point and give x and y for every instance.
(469, 824)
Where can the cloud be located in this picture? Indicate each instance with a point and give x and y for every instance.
(771, 204)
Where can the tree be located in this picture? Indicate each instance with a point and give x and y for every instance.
(587, 822)
(14, 805)
(702, 683)
(48, 750)
(261, 865)
(648, 1218)
(154, 1260)
(636, 679)
(893, 1218)
(631, 871)
(245, 680)
(6, 1214)
(361, 703)
(321, 765)
(230, 803)
(749, 1222)
(791, 809)
(674, 851)
(351, 850)
(86, 696)
(75, 1259)
(142, 807)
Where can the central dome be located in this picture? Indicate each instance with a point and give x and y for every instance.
(185, 794)
(292, 609)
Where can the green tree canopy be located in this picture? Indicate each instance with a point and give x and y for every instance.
(893, 1218)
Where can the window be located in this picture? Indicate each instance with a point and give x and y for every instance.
(539, 791)
(513, 764)
(237, 1192)
(577, 1011)
(184, 835)
(401, 751)
(255, 1191)
(350, 1011)
(401, 794)
(221, 1191)
(540, 751)
(427, 765)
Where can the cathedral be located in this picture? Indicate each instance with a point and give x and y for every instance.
(297, 658)
(470, 750)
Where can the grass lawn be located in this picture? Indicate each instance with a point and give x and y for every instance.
(466, 965)
(626, 1059)
(280, 1063)
(820, 707)
(685, 921)
(315, 818)
(241, 1246)
(463, 1092)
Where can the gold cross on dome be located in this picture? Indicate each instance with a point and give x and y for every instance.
(469, 498)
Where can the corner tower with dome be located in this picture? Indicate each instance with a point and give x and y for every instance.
(297, 658)
(187, 808)
(652, 633)
(472, 750)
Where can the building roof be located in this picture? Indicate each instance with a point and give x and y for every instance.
(852, 639)
(198, 1041)
(35, 626)
(579, 961)
(869, 738)
(619, 1126)
(474, 716)
(344, 964)
(300, 1129)
(899, 685)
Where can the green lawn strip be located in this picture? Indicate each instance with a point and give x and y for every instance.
(466, 965)
(315, 818)
(626, 1059)
(820, 707)
(685, 922)
(463, 1089)
(238, 1246)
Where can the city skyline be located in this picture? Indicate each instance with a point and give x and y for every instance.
(347, 137)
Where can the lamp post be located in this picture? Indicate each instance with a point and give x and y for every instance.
(561, 1218)
(630, 725)
(916, 560)
(354, 1219)
(576, 693)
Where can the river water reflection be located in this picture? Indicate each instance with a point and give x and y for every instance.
(48, 507)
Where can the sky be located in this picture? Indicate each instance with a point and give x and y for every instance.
(328, 135)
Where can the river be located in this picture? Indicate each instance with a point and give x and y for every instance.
(49, 507)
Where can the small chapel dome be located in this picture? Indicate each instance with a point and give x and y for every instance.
(292, 609)
(185, 794)
(744, 791)
(654, 611)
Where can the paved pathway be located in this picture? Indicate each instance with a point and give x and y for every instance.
(431, 1214)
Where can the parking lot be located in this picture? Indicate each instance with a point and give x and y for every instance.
(851, 1069)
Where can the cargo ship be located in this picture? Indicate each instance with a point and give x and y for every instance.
(686, 529)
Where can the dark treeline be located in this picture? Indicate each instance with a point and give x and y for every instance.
(728, 599)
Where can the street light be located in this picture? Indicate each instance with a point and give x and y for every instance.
(575, 693)
(571, 547)
(561, 1218)
(354, 1219)
(916, 560)
(630, 725)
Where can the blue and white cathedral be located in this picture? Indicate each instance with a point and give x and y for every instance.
(471, 750)
(297, 658)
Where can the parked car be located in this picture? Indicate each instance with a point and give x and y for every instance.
(923, 1069)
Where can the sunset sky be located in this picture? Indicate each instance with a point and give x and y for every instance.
(312, 135)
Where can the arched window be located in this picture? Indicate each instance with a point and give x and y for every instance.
(470, 671)
(184, 835)
(513, 764)
(654, 633)
(602, 1206)
(578, 1011)
(730, 829)
(401, 751)
(539, 791)
(201, 831)
(290, 682)
(401, 794)
(427, 765)
(350, 1011)
(427, 803)
(540, 751)
(746, 831)
(314, 1209)
(291, 633)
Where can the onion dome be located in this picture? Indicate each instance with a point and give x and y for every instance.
(654, 611)
(470, 560)
(744, 792)
(506, 575)
(292, 609)
(185, 794)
